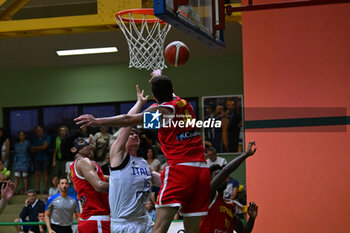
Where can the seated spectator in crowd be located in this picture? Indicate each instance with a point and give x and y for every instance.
(54, 189)
(40, 146)
(153, 163)
(4, 148)
(150, 210)
(58, 160)
(41, 228)
(146, 141)
(60, 209)
(4, 173)
(7, 191)
(29, 213)
(102, 139)
(231, 191)
(105, 168)
(214, 159)
(22, 161)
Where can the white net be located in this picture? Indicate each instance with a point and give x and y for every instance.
(146, 42)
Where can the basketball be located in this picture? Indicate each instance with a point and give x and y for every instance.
(176, 53)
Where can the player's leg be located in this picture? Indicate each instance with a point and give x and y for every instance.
(191, 224)
(198, 203)
(164, 217)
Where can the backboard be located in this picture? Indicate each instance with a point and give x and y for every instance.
(201, 19)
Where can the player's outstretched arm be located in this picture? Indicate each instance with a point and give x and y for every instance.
(229, 168)
(122, 120)
(118, 151)
(87, 169)
(249, 225)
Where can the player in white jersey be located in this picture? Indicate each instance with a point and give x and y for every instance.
(130, 181)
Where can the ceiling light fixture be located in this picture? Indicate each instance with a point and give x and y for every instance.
(86, 51)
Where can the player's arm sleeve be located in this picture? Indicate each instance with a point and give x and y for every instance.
(48, 206)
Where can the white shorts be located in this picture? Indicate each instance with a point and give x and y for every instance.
(18, 174)
(141, 225)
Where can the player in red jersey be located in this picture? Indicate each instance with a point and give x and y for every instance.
(90, 185)
(221, 216)
(186, 179)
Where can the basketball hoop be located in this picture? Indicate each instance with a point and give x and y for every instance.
(146, 42)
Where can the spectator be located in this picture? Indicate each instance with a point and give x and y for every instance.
(4, 173)
(7, 191)
(4, 147)
(41, 228)
(146, 141)
(60, 209)
(213, 136)
(54, 189)
(32, 206)
(231, 191)
(102, 139)
(40, 146)
(153, 163)
(150, 210)
(231, 124)
(58, 160)
(23, 161)
(214, 159)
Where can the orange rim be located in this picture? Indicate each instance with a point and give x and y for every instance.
(140, 11)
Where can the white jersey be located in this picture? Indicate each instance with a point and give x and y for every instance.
(129, 189)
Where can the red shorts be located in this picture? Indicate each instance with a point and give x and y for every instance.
(95, 226)
(187, 187)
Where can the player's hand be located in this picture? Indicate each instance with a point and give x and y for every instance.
(142, 99)
(252, 210)
(52, 231)
(86, 120)
(7, 190)
(155, 73)
(250, 150)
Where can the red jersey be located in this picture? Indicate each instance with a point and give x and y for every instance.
(181, 142)
(220, 217)
(94, 203)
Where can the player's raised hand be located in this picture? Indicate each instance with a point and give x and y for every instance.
(7, 190)
(155, 73)
(86, 120)
(142, 99)
(252, 210)
(250, 150)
